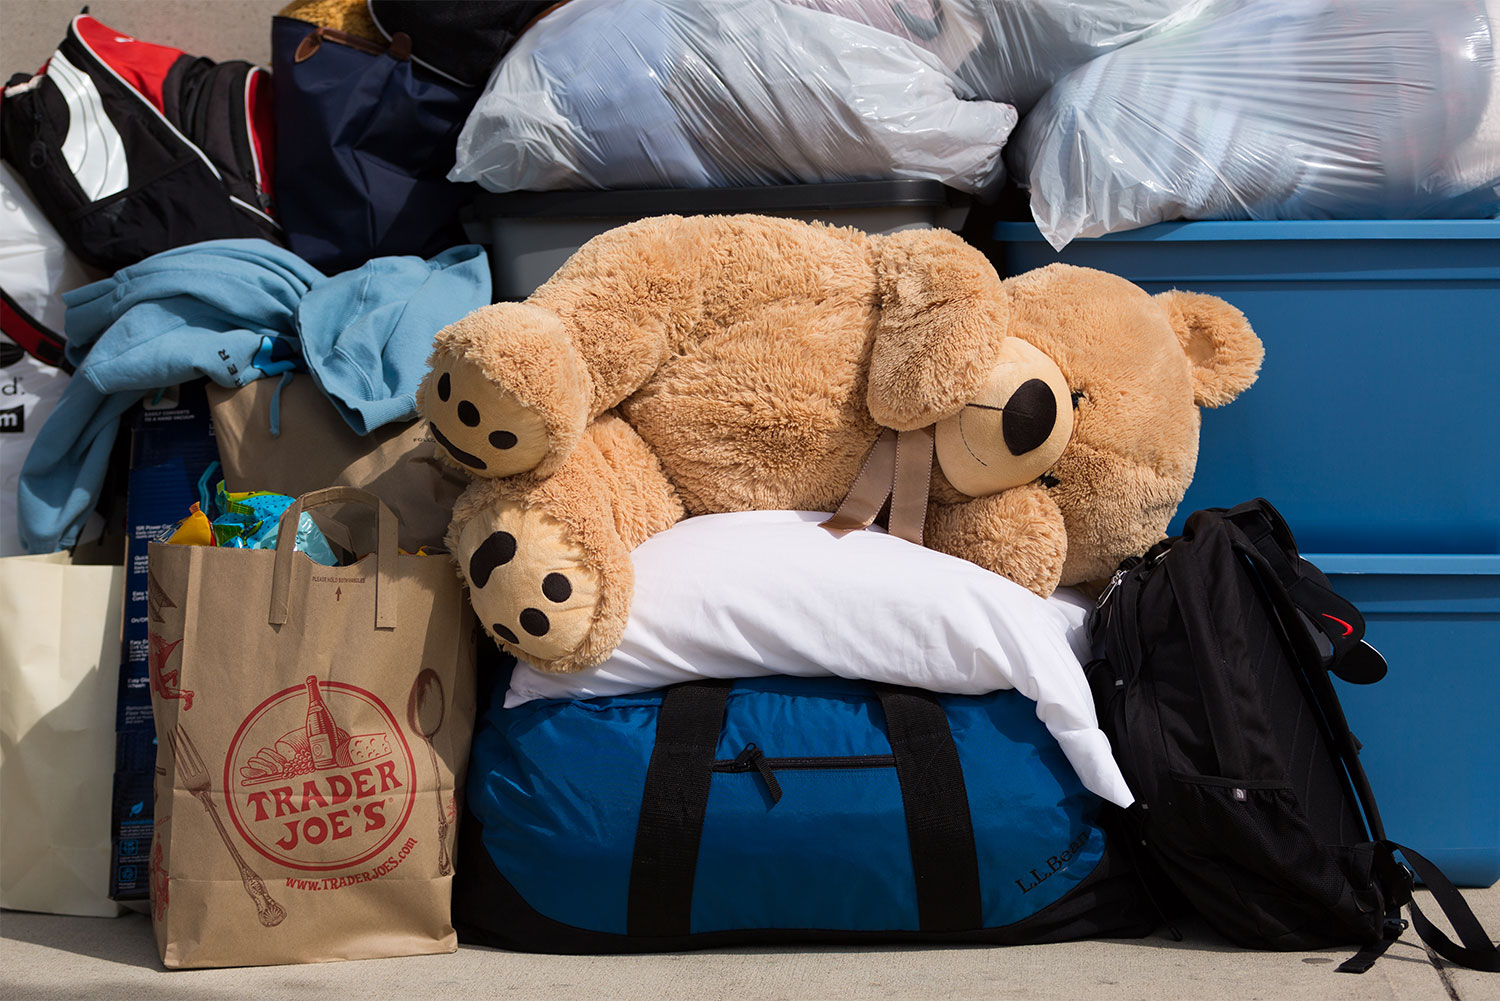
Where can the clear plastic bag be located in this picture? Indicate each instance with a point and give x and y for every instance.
(682, 93)
(1012, 50)
(1273, 109)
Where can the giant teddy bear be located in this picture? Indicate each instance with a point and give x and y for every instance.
(1044, 427)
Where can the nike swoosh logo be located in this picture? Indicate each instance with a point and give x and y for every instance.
(466, 458)
(1348, 629)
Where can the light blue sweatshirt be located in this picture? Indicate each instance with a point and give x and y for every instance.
(235, 311)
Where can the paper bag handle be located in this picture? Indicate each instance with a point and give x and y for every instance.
(385, 551)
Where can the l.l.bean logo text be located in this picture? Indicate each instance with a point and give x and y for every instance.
(320, 777)
(1055, 863)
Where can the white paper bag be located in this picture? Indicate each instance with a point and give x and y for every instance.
(59, 675)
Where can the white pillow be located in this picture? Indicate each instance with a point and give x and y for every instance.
(770, 592)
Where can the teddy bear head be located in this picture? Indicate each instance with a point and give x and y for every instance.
(1067, 381)
(1138, 368)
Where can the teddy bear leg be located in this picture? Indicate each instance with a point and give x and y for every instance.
(547, 559)
(1017, 533)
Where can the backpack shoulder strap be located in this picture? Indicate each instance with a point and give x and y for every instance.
(1320, 608)
(1477, 951)
(1268, 545)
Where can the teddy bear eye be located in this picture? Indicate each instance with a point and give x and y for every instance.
(1048, 480)
(1077, 395)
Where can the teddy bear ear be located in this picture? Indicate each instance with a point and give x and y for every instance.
(1223, 351)
(943, 317)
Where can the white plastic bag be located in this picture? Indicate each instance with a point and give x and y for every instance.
(1011, 50)
(681, 93)
(1272, 109)
(36, 267)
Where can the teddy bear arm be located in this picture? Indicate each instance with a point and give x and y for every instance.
(1017, 533)
(624, 296)
(547, 558)
(944, 317)
(642, 499)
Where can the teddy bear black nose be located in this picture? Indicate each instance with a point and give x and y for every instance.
(1030, 415)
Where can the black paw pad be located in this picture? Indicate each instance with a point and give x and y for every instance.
(504, 633)
(535, 622)
(557, 587)
(468, 413)
(496, 551)
(502, 439)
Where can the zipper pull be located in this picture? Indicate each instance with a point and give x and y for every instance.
(752, 758)
(1110, 588)
(1091, 621)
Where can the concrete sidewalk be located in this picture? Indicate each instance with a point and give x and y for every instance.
(44, 957)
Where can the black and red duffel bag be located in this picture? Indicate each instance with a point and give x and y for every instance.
(131, 148)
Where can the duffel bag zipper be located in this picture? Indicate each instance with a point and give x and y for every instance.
(752, 759)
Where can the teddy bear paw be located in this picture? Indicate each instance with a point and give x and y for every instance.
(483, 428)
(530, 584)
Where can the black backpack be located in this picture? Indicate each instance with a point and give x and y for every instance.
(1211, 680)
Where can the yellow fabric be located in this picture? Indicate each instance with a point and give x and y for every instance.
(352, 16)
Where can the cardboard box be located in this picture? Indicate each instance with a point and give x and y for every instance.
(171, 447)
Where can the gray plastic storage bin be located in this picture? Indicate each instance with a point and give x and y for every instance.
(531, 234)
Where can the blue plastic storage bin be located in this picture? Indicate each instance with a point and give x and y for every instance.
(1375, 423)
(1431, 727)
(1375, 429)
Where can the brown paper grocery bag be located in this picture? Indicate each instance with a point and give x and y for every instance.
(398, 463)
(313, 724)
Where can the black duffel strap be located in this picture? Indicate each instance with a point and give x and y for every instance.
(945, 861)
(943, 855)
(660, 901)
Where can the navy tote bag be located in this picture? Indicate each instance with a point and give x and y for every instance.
(367, 140)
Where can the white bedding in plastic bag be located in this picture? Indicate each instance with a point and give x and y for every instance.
(682, 93)
(1272, 109)
(1011, 50)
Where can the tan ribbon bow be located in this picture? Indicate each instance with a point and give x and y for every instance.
(898, 466)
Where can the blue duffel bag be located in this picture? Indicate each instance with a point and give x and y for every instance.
(782, 810)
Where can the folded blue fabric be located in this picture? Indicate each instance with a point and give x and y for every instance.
(235, 311)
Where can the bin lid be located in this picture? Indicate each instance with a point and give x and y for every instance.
(637, 203)
(1269, 230)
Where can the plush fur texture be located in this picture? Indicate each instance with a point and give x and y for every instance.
(685, 366)
(943, 318)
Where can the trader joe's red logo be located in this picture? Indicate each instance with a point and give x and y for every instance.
(319, 777)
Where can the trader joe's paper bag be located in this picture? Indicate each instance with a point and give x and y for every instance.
(313, 723)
